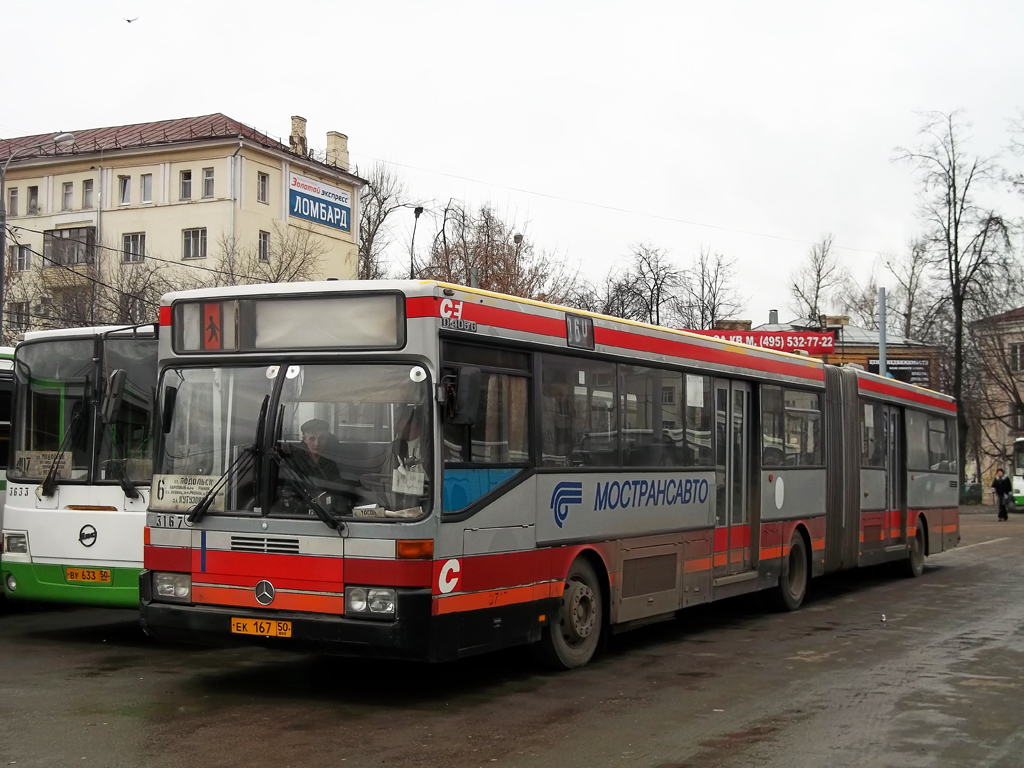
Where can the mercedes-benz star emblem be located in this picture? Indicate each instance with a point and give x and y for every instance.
(87, 536)
(264, 593)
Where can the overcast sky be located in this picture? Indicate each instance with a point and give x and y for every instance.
(751, 128)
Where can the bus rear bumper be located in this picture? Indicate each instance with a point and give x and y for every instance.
(406, 637)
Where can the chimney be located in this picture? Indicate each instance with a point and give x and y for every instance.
(297, 139)
(773, 317)
(337, 150)
(831, 320)
(733, 325)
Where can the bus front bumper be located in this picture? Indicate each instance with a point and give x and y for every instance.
(406, 637)
(40, 581)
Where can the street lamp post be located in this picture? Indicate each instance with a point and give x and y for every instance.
(58, 140)
(412, 259)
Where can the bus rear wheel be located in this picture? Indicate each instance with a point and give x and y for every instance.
(794, 577)
(571, 637)
(913, 566)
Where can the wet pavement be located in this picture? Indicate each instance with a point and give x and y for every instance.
(940, 682)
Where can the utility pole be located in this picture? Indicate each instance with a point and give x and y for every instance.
(881, 332)
(417, 211)
(58, 140)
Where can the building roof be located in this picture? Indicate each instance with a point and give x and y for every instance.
(1013, 314)
(158, 133)
(845, 334)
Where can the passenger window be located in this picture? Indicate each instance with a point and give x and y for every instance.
(666, 418)
(917, 441)
(791, 430)
(578, 413)
(938, 445)
(501, 432)
(872, 434)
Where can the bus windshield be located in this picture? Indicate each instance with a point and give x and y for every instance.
(323, 440)
(54, 381)
(126, 445)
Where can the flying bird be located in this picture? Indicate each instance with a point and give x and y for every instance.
(131, 20)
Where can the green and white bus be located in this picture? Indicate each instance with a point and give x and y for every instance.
(80, 465)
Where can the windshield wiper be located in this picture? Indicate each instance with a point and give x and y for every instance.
(248, 454)
(48, 486)
(302, 486)
(119, 465)
(246, 458)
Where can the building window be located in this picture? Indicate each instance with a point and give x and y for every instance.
(134, 247)
(1015, 356)
(45, 308)
(21, 258)
(69, 247)
(207, 182)
(67, 196)
(147, 187)
(87, 193)
(668, 396)
(33, 201)
(264, 247)
(1016, 418)
(262, 187)
(186, 185)
(194, 246)
(12, 202)
(20, 315)
(124, 186)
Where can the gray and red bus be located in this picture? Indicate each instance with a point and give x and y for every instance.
(426, 471)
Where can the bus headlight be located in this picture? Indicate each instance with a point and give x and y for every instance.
(172, 587)
(370, 601)
(16, 543)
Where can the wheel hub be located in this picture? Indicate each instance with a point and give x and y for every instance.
(580, 611)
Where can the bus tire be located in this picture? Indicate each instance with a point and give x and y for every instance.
(913, 566)
(795, 575)
(571, 638)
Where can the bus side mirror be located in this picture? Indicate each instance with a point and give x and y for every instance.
(113, 396)
(467, 396)
(170, 396)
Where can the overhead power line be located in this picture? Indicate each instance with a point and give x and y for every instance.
(614, 208)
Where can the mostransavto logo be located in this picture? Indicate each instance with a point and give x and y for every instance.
(564, 496)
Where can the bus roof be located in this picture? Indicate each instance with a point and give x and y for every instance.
(96, 330)
(653, 339)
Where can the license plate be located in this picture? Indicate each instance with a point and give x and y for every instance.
(88, 575)
(261, 627)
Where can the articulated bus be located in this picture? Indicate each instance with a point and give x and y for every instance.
(80, 465)
(426, 471)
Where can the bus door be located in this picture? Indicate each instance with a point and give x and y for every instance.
(895, 477)
(732, 478)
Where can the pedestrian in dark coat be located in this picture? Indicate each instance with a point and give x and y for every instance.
(1004, 491)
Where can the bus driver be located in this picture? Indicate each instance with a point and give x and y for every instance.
(317, 437)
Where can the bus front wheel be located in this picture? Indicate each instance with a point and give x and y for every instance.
(571, 638)
(795, 575)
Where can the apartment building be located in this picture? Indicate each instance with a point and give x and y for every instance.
(104, 220)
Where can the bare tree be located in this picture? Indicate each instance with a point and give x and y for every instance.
(652, 281)
(613, 295)
(915, 301)
(966, 245)
(293, 254)
(482, 249)
(813, 284)
(707, 292)
(383, 195)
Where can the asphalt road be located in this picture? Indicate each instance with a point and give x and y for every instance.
(939, 683)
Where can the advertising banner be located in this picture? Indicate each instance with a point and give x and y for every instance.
(319, 203)
(908, 370)
(814, 343)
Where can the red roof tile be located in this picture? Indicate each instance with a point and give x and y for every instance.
(139, 135)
